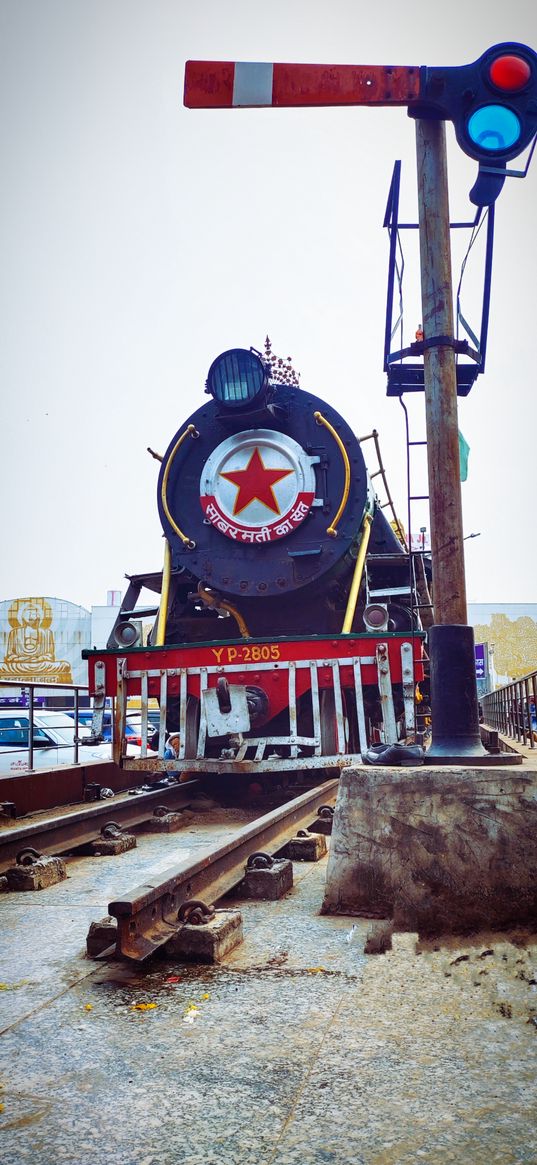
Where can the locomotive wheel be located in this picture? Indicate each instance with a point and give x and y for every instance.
(192, 727)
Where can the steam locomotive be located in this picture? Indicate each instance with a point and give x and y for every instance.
(286, 631)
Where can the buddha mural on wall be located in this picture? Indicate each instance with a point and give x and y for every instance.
(515, 643)
(30, 653)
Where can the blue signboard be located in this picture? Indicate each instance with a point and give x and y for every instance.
(480, 668)
(22, 700)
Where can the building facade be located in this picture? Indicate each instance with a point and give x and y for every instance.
(42, 638)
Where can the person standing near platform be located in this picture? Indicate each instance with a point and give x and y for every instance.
(171, 751)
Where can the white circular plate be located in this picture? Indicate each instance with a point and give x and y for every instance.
(257, 486)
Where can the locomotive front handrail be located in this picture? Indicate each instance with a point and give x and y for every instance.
(331, 529)
(190, 431)
(164, 596)
(357, 575)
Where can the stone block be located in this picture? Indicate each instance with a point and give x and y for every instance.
(37, 875)
(210, 942)
(306, 847)
(268, 883)
(167, 822)
(322, 824)
(101, 935)
(438, 850)
(110, 846)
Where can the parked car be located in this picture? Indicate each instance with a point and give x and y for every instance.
(53, 740)
(153, 718)
(85, 718)
(134, 724)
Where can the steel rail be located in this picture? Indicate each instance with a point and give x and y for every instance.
(56, 835)
(148, 916)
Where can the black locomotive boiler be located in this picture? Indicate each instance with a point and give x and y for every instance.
(264, 497)
(286, 630)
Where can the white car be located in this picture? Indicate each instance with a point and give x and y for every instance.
(53, 740)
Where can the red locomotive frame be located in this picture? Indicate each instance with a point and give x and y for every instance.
(331, 672)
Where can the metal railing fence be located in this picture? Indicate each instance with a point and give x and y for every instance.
(512, 710)
(30, 708)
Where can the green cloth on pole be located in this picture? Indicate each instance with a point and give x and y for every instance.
(464, 450)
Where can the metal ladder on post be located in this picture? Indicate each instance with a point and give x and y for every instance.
(381, 561)
(415, 555)
(408, 589)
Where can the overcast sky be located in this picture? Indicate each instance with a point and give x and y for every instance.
(140, 239)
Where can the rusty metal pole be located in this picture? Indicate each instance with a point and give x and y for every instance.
(440, 373)
(454, 706)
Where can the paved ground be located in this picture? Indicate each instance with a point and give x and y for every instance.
(300, 1049)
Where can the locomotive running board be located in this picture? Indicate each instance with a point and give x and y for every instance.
(148, 916)
(217, 765)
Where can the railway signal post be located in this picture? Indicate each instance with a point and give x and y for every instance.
(454, 705)
(493, 105)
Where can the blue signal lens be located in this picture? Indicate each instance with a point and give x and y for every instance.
(236, 377)
(494, 127)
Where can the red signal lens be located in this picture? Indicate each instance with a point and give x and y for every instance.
(510, 73)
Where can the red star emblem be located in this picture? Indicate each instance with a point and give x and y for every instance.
(254, 483)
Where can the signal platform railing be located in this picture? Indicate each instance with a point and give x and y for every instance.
(511, 710)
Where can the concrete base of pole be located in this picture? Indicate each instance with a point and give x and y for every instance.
(438, 851)
(454, 705)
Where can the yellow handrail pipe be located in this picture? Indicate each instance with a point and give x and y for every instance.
(213, 600)
(357, 575)
(190, 431)
(164, 595)
(331, 529)
(243, 628)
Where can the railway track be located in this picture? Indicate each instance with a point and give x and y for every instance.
(148, 916)
(57, 833)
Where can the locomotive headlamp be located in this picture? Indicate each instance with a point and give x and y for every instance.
(376, 617)
(237, 378)
(127, 634)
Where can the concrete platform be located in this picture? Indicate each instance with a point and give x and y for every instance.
(299, 1049)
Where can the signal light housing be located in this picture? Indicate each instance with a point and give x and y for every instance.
(493, 106)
